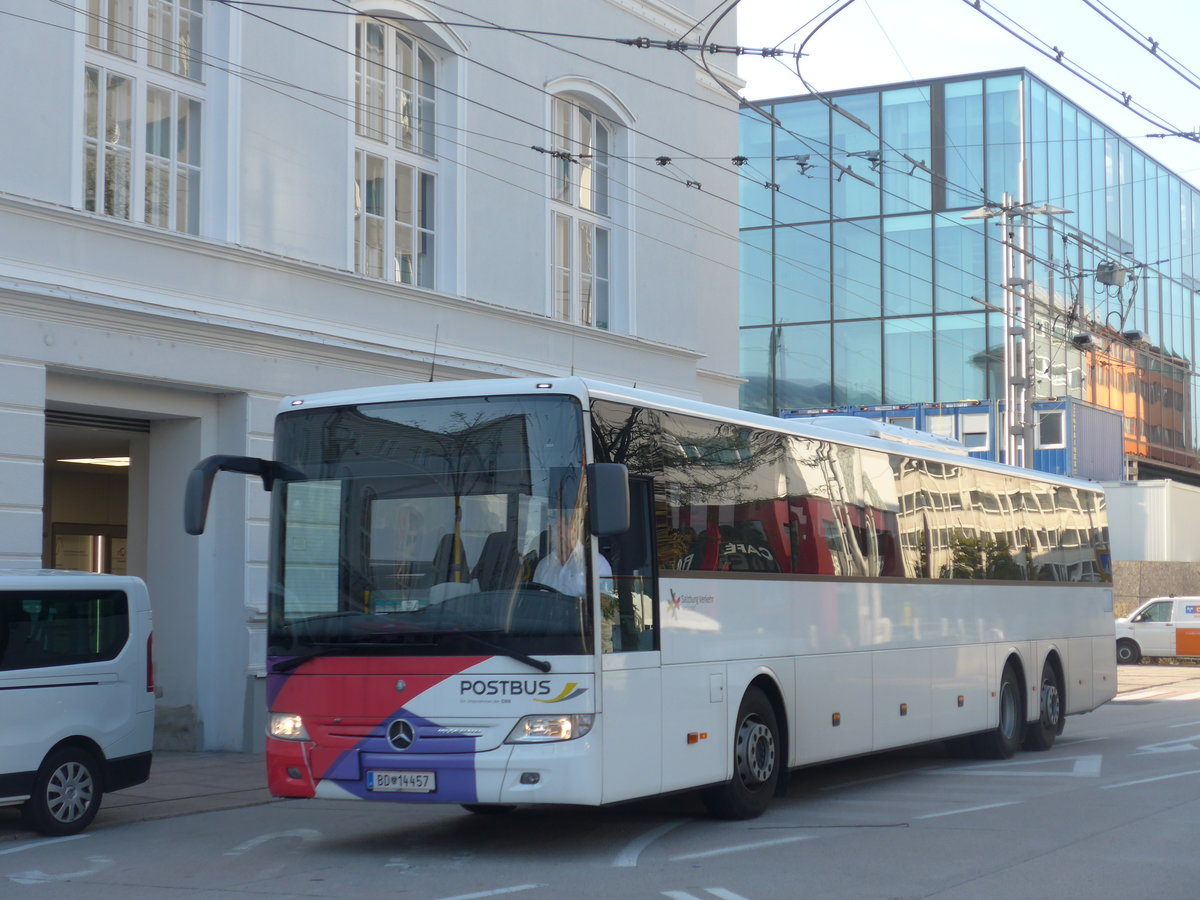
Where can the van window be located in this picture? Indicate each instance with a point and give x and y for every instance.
(1157, 612)
(39, 629)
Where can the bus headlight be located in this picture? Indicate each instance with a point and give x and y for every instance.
(287, 727)
(544, 729)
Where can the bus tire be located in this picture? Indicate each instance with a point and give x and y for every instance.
(1128, 652)
(1040, 735)
(1003, 740)
(756, 762)
(66, 793)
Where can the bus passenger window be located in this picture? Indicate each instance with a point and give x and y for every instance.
(628, 604)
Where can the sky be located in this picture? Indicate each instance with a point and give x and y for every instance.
(875, 42)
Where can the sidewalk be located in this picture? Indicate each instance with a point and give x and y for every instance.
(185, 783)
(182, 783)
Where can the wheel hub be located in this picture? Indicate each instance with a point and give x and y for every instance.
(1051, 704)
(756, 752)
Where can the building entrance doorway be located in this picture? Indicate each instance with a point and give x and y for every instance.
(86, 514)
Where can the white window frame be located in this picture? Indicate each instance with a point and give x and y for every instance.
(582, 235)
(941, 425)
(975, 424)
(162, 173)
(395, 237)
(1042, 416)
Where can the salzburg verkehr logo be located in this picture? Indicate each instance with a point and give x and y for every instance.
(679, 601)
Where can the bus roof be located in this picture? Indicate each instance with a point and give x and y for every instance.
(869, 435)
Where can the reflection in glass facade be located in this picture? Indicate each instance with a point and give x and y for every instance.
(863, 284)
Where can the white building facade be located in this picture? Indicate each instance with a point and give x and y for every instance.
(207, 206)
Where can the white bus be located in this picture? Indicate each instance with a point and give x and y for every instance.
(76, 693)
(511, 592)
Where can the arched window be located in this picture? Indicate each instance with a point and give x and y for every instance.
(583, 246)
(395, 162)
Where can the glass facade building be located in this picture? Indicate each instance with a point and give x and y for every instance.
(863, 283)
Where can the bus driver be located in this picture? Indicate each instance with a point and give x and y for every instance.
(564, 567)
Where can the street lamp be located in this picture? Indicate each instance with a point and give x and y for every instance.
(1016, 421)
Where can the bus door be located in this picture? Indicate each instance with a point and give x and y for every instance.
(630, 661)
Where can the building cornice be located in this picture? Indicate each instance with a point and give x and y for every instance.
(51, 292)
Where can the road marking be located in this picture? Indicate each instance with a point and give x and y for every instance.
(1144, 694)
(740, 847)
(46, 843)
(37, 876)
(1175, 746)
(1081, 767)
(955, 812)
(1105, 787)
(628, 857)
(307, 835)
(496, 893)
(719, 893)
(1157, 694)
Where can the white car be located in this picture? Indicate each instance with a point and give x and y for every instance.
(1162, 626)
(77, 645)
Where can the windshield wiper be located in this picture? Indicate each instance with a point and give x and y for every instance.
(323, 649)
(542, 665)
(330, 649)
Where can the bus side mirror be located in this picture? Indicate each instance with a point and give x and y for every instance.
(200, 482)
(608, 498)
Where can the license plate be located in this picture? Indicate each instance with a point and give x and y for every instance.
(402, 782)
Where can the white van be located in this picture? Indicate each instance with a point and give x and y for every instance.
(76, 693)
(1162, 626)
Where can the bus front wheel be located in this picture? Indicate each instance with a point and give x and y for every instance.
(756, 762)
(1003, 740)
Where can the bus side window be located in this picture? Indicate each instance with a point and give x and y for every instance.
(629, 608)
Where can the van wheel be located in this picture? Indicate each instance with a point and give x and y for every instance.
(1041, 734)
(1128, 652)
(756, 762)
(1002, 741)
(66, 795)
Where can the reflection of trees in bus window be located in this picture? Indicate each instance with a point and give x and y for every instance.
(734, 498)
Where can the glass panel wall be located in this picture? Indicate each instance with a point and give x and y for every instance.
(961, 148)
(856, 270)
(756, 257)
(803, 376)
(908, 360)
(802, 273)
(852, 146)
(856, 370)
(907, 265)
(801, 170)
(906, 187)
(878, 290)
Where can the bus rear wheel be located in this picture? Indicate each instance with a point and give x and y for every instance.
(1041, 734)
(66, 794)
(756, 762)
(1003, 740)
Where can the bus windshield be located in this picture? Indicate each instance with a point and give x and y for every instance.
(417, 528)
